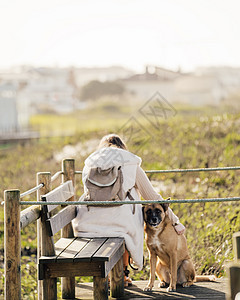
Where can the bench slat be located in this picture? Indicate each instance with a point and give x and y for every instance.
(90, 249)
(114, 259)
(108, 249)
(83, 253)
(72, 250)
(62, 193)
(62, 218)
(62, 244)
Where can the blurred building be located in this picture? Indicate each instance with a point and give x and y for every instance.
(51, 90)
(14, 110)
(205, 86)
(154, 79)
(85, 75)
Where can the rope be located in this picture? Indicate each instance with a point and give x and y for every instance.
(56, 175)
(193, 170)
(32, 190)
(187, 170)
(97, 203)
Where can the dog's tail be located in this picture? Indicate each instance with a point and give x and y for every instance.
(201, 278)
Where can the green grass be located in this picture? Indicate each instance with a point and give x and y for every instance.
(194, 138)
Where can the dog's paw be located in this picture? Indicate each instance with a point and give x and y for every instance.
(147, 289)
(162, 284)
(171, 289)
(212, 278)
(187, 284)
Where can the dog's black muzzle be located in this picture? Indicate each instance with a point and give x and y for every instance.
(154, 219)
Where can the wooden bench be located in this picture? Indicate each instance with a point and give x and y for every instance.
(71, 256)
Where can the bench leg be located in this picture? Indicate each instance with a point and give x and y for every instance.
(234, 280)
(100, 288)
(49, 289)
(68, 287)
(117, 280)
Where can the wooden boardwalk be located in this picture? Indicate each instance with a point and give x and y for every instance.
(201, 290)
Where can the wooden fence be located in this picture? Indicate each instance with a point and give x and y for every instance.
(15, 220)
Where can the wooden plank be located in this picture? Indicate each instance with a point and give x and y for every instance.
(72, 250)
(12, 245)
(66, 249)
(47, 259)
(62, 244)
(234, 280)
(200, 290)
(47, 287)
(81, 268)
(100, 288)
(108, 249)
(114, 259)
(236, 246)
(29, 215)
(68, 284)
(91, 248)
(62, 218)
(117, 280)
(61, 193)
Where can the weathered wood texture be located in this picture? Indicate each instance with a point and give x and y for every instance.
(68, 168)
(68, 284)
(61, 219)
(30, 215)
(200, 290)
(236, 246)
(87, 257)
(70, 251)
(12, 245)
(234, 280)
(47, 289)
(62, 193)
(233, 269)
(117, 280)
(100, 290)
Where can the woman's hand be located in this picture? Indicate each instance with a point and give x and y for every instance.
(180, 228)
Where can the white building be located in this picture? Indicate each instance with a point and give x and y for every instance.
(205, 88)
(51, 90)
(14, 110)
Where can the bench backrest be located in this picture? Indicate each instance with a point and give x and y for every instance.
(62, 193)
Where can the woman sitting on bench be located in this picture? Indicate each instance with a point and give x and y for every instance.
(119, 221)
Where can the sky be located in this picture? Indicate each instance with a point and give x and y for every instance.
(173, 34)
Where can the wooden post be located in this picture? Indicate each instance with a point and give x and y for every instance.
(233, 269)
(68, 283)
(47, 288)
(236, 246)
(100, 288)
(233, 280)
(117, 280)
(12, 245)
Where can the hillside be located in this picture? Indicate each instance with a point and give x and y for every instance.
(193, 138)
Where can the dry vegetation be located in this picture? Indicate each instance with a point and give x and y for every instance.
(199, 137)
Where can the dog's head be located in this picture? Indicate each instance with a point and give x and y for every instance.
(154, 214)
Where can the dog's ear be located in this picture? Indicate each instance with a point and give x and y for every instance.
(165, 205)
(143, 206)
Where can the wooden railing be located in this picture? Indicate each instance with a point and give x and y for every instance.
(15, 220)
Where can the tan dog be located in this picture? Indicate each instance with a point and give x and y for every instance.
(168, 252)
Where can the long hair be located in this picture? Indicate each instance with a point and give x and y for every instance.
(112, 140)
